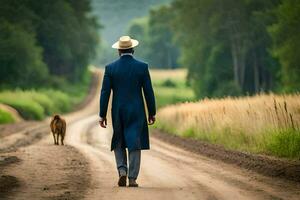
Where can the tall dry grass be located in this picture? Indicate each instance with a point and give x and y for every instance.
(263, 123)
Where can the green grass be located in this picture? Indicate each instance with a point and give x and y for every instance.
(6, 117)
(24, 103)
(166, 95)
(170, 91)
(283, 143)
(37, 104)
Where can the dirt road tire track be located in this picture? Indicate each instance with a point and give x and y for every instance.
(47, 172)
(169, 172)
(44, 171)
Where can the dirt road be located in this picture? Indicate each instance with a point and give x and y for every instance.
(85, 169)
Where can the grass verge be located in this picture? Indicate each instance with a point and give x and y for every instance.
(170, 87)
(6, 117)
(279, 143)
(264, 124)
(36, 104)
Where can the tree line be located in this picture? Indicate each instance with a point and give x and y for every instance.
(155, 35)
(229, 47)
(45, 43)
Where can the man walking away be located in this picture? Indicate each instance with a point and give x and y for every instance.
(128, 78)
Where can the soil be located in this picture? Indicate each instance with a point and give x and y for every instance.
(266, 165)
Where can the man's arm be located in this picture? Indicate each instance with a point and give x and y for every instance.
(104, 97)
(149, 96)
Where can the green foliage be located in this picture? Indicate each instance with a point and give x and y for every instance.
(6, 117)
(170, 95)
(138, 28)
(155, 34)
(41, 40)
(285, 33)
(23, 102)
(283, 143)
(36, 104)
(170, 91)
(168, 83)
(116, 15)
(20, 58)
(225, 45)
(61, 101)
(163, 53)
(68, 36)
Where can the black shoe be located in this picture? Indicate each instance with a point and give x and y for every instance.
(122, 181)
(133, 183)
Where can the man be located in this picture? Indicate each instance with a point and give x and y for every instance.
(127, 78)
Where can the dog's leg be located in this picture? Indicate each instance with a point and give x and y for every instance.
(56, 141)
(57, 138)
(62, 139)
(54, 138)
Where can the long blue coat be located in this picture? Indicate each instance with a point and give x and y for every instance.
(127, 78)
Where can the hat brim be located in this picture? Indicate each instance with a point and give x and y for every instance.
(134, 43)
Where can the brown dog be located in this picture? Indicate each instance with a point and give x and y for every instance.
(58, 127)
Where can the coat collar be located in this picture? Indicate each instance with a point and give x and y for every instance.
(126, 54)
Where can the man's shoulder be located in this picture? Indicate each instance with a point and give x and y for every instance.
(112, 63)
(140, 62)
(136, 62)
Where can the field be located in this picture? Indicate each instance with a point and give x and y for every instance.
(267, 124)
(170, 87)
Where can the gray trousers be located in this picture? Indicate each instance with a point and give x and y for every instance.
(134, 161)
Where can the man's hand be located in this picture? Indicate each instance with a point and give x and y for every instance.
(103, 122)
(151, 120)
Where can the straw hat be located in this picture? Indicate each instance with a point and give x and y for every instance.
(125, 42)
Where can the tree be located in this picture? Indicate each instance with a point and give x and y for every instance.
(138, 29)
(285, 33)
(225, 45)
(156, 37)
(58, 34)
(67, 34)
(163, 53)
(21, 63)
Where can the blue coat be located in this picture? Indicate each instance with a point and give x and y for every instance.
(127, 78)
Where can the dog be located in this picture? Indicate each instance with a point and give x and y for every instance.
(58, 128)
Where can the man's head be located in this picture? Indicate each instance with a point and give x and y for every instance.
(122, 51)
(125, 45)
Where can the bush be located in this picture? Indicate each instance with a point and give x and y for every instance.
(23, 102)
(28, 109)
(60, 100)
(36, 104)
(44, 101)
(6, 117)
(168, 83)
